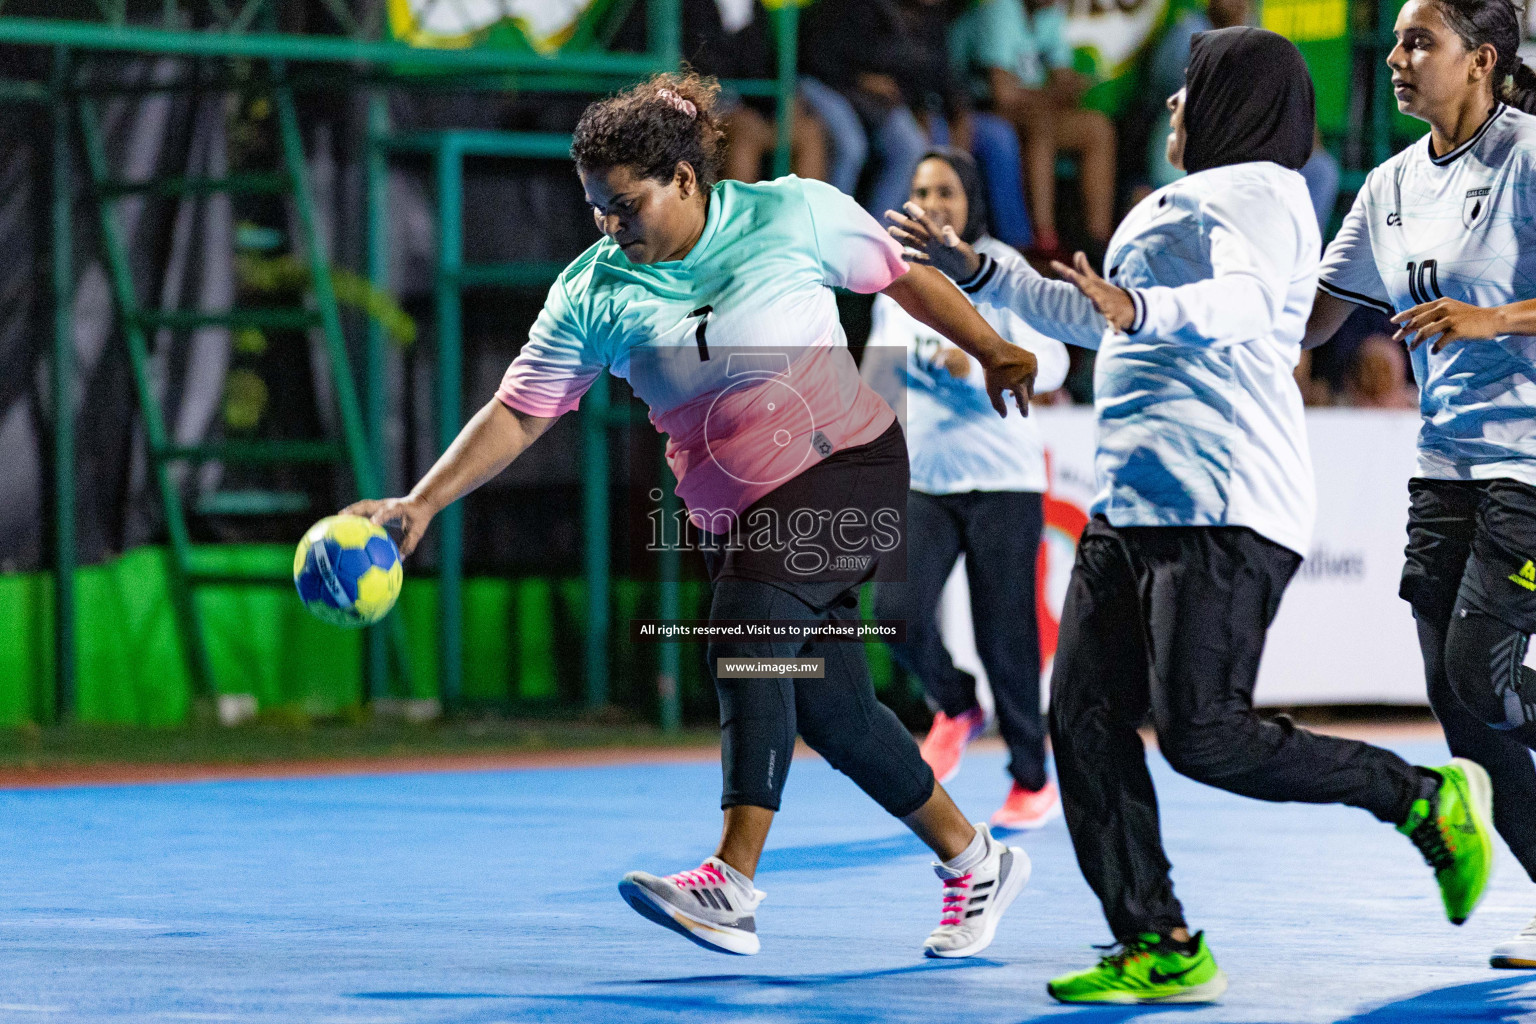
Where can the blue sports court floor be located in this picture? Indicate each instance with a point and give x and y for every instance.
(483, 897)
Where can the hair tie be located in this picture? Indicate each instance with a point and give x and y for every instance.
(677, 102)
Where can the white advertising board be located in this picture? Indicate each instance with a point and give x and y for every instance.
(1342, 635)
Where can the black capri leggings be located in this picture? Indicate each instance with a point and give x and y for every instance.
(839, 715)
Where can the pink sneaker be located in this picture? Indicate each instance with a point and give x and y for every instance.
(1026, 808)
(947, 740)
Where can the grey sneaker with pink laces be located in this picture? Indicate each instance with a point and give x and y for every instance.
(713, 905)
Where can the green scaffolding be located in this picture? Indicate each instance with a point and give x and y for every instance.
(233, 37)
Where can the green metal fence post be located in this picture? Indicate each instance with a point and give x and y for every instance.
(62, 281)
(669, 562)
(120, 272)
(663, 36)
(325, 295)
(450, 522)
(595, 497)
(787, 20)
(376, 668)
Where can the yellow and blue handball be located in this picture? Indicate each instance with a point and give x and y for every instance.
(348, 571)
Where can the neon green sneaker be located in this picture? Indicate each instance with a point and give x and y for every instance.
(1147, 969)
(1455, 835)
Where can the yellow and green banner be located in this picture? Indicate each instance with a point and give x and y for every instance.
(541, 25)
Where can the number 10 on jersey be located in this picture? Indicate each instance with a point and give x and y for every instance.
(1423, 284)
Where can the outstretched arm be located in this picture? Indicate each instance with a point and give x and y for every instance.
(931, 298)
(1054, 308)
(489, 442)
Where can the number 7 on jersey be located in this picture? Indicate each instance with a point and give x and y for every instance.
(698, 335)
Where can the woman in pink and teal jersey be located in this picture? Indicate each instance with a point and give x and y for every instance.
(714, 299)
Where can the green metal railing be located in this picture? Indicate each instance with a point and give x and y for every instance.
(62, 288)
(235, 36)
(350, 450)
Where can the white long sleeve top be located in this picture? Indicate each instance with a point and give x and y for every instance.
(955, 439)
(1200, 420)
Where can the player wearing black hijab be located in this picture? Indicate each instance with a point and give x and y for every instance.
(1204, 515)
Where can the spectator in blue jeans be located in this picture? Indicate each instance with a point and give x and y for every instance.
(732, 39)
(865, 69)
(1018, 60)
(870, 52)
(898, 141)
(991, 139)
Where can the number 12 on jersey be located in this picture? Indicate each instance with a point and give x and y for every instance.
(1423, 285)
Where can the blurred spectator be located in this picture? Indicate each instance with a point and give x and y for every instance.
(1321, 172)
(732, 39)
(995, 145)
(1378, 376)
(1165, 76)
(1333, 363)
(990, 138)
(1020, 66)
(862, 70)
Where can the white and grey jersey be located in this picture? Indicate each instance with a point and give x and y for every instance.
(955, 439)
(1457, 226)
(1199, 417)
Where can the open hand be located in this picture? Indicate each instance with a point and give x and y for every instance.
(1113, 302)
(1445, 321)
(410, 514)
(927, 243)
(1011, 370)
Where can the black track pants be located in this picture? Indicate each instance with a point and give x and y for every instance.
(839, 716)
(1169, 622)
(999, 533)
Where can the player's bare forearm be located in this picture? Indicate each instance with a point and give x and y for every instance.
(1328, 314)
(932, 299)
(1442, 322)
(1514, 318)
(489, 442)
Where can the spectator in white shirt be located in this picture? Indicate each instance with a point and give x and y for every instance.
(976, 491)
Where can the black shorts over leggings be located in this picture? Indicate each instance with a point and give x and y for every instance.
(1474, 602)
(839, 715)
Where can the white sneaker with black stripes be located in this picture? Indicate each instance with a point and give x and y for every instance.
(714, 905)
(975, 900)
(1518, 953)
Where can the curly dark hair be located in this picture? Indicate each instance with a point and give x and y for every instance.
(654, 126)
